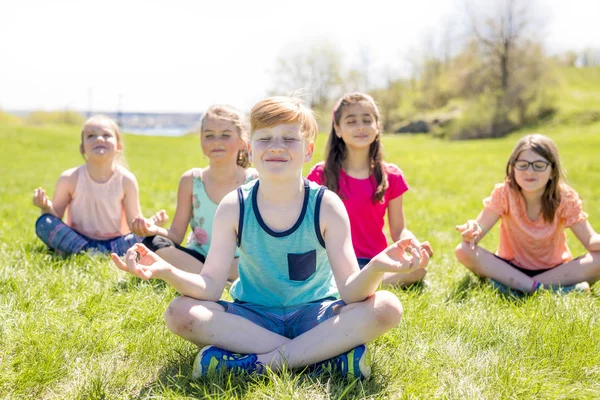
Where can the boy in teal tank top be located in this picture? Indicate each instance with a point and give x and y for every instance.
(296, 260)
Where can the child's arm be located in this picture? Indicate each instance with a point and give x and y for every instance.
(183, 213)
(131, 197)
(354, 284)
(586, 234)
(210, 283)
(63, 193)
(398, 229)
(474, 230)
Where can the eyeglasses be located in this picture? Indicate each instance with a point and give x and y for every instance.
(538, 165)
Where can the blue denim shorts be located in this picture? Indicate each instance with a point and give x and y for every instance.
(286, 321)
(362, 262)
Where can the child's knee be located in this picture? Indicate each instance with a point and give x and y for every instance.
(185, 315)
(178, 315)
(387, 309)
(595, 256)
(45, 224)
(464, 252)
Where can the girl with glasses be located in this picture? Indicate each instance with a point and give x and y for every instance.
(535, 206)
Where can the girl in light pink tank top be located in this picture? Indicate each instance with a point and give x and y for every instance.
(96, 199)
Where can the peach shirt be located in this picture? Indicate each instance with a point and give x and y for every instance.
(534, 245)
(96, 209)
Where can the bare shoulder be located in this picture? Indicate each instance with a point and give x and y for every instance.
(333, 210)
(68, 178)
(128, 176)
(129, 180)
(70, 173)
(228, 210)
(188, 176)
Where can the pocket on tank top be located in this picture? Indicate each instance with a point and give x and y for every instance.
(302, 266)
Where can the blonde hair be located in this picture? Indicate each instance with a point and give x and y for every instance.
(236, 117)
(280, 110)
(100, 119)
(545, 147)
(336, 150)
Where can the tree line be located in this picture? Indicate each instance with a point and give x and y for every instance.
(483, 83)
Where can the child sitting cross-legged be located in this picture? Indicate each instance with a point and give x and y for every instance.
(301, 299)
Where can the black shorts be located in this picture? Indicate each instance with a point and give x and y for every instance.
(160, 242)
(529, 272)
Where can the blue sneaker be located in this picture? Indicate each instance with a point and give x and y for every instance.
(212, 359)
(582, 287)
(353, 364)
(505, 290)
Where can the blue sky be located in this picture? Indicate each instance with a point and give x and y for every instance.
(183, 55)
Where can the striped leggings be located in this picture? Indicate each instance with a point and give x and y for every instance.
(65, 240)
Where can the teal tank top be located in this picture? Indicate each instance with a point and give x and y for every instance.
(203, 213)
(282, 269)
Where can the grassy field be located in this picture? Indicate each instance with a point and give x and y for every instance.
(77, 328)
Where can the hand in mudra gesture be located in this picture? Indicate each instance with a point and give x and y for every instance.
(141, 262)
(402, 257)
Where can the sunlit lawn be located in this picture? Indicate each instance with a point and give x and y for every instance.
(78, 328)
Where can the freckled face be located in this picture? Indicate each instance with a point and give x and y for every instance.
(280, 149)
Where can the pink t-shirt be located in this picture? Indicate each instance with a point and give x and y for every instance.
(366, 218)
(534, 245)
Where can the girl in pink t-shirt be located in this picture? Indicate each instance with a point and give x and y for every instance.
(368, 186)
(535, 207)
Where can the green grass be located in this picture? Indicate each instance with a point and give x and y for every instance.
(78, 328)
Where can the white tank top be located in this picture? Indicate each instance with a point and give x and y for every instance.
(96, 209)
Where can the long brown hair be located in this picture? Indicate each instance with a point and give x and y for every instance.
(237, 118)
(336, 150)
(545, 147)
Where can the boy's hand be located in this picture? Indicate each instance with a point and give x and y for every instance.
(143, 227)
(160, 218)
(41, 200)
(141, 262)
(469, 231)
(402, 257)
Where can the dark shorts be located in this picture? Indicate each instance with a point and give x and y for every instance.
(286, 321)
(362, 262)
(160, 242)
(528, 272)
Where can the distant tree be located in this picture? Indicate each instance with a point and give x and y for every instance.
(513, 63)
(590, 57)
(317, 69)
(388, 99)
